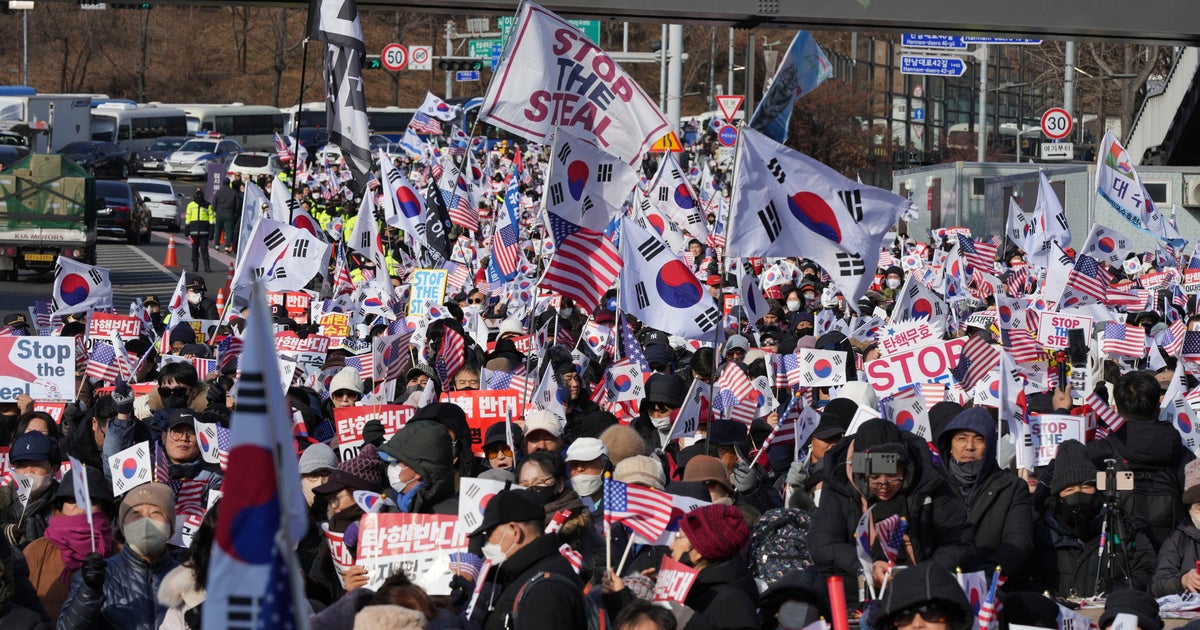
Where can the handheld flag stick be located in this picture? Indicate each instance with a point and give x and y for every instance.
(687, 396)
(624, 556)
(607, 527)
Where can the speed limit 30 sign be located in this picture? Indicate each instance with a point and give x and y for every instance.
(394, 57)
(1056, 123)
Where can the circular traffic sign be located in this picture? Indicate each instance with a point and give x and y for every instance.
(1056, 123)
(420, 55)
(394, 57)
(727, 136)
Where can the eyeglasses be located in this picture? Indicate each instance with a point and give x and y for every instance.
(181, 436)
(493, 452)
(165, 392)
(345, 393)
(475, 301)
(930, 612)
(886, 483)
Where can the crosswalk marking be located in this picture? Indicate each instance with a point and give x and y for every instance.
(132, 278)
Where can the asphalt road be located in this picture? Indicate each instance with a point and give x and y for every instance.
(134, 270)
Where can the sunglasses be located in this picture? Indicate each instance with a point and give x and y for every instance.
(493, 452)
(931, 612)
(476, 301)
(172, 391)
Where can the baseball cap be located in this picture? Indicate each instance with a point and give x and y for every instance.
(586, 449)
(197, 284)
(181, 416)
(510, 506)
(16, 320)
(32, 446)
(150, 299)
(542, 420)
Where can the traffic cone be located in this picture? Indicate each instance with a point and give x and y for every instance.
(220, 300)
(170, 258)
(229, 277)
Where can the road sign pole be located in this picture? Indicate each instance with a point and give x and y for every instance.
(983, 73)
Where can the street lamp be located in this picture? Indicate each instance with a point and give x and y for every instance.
(1021, 132)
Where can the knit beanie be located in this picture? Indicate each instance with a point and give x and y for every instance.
(157, 494)
(1191, 482)
(1072, 466)
(641, 469)
(622, 442)
(716, 531)
(183, 333)
(364, 472)
(1137, 603)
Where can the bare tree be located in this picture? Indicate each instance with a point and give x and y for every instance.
(243, 19)
(281, 46)
(1127, 66)
(827, 126)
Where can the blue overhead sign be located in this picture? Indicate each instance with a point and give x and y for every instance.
(1015, 41)
(936, 66)
(466, 75)
(942, 42)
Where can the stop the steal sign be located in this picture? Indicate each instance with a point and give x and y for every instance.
(932, 362)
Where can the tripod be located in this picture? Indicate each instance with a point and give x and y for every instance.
(1113, 534)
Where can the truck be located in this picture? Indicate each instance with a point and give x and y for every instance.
(51, 121)
(48, 208)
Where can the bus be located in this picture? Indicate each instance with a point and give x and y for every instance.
(389, 121)
(960, 137)
(135, 127)
(252, 126)
(312, 114)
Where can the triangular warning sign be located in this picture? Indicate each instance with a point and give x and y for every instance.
(667, 144)
(729, 105)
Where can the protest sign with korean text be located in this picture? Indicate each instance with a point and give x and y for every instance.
(485, 408)
(124, 326)
(414, 541)
(674, 580)
(349, 423)
(297, 304)
(933, 362)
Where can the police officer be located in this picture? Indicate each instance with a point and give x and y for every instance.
(200, 221)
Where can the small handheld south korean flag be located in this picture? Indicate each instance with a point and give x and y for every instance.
(130, 468)
(206, 438)
(910, 414)
(82, 498)
(822, 368)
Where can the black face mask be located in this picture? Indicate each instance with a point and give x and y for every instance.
(544, 494)
(1077, 513)
(174, 402)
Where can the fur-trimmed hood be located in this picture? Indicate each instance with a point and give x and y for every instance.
(179, 589)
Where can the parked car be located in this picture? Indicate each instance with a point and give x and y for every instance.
(9, 154)
(102, 159)
(252, 165)
(165, 205)
(192, 157)
(123, 213)
(153, 157)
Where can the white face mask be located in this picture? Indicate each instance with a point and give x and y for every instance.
(662, 424)
(147, 536)
(586, 485)
(495, 553)
(194, 297)
(893, 283)
(810, 296)
(793, 305)
(393, 475)
(566, 312)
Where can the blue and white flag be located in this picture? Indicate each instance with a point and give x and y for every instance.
(804, 67)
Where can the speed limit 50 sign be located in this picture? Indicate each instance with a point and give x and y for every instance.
(1056, 123)
(394, 57)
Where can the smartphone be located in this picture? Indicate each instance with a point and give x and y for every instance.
(1124, 480)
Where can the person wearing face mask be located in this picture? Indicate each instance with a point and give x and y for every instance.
(33, 458)
(1175, 572)
(1066, 538)
(54, 558)
(998, 504)
(363, 472)
(664, 396)
(893, 279)
(710, 539)
(587, 461)
(120, 591)
(521, 555)
(316, 464)
(794, 601)
(420, 473)
(199, 305)
(544, 475)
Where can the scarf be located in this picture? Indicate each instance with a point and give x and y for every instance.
(73, 538)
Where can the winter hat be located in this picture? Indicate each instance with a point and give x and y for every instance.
(1071, 466)
(641, 469)
(1191, 482)
(706, 468)
(593, 424)
(156, 494)
(941, 414)
(1137, 603)
(364, 472)
(542, 420)
(622, 442)
(926, 582)
(389, 616)
(183, 333)
(317, 457)
(1027, 609)
(737, 342)
(716, 531)
(346, 378)
(658, 354)
(843, 408)
(510, 327)
(423, 446)
(668, 389)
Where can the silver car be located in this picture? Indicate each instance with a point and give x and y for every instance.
(166, 206)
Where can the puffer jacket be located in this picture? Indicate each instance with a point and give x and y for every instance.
(123, 434)
(937, 517)
(1179, 554)
(423, 446)
(998, 504)
(128, 599)
(1065, 565)
(34, 518)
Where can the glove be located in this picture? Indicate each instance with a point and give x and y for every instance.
(123, 396)
(744, 477)
(373, 432)
(93, 571)
(216, 393)
(12, 535)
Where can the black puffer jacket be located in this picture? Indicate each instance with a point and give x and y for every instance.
(1065, 565)
(549, 604)
(34, 518)
(937, 517)
(128, 600)
(998, 504)
(725, 595)
(1178, 555)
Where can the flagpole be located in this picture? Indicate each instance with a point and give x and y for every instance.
(299, 110)
(686, 397)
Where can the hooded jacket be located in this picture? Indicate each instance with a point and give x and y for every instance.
(926, 582)
(425, 447)
(547, 605)
(1178, 555)
(725, 595)
(998, 503)
(937, 517)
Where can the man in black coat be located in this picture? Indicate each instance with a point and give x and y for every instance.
(937, 517)
(521, 555)
(998, 504)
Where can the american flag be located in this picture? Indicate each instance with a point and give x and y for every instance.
(1124, 339)
(189, 495)
(584, 266)
(784, 434)
(977, 359)
(204, 366)
(1089, 278)
(459, 274)
(162, 467)
(891, 535)
(364, 363)
(987, 612)
(564, 337)
(1191, 350)
(506, 243)
(644, 510)
(633, 350)
(461, 204)
(1128, 299)
(1105, 414)
(1171, 339)
(1015, 281)
(284, 151)
(425, 125)
(574, 558)
(735, 381)
(1021, 344)
(452, 354)
(466, 564)
(342, 283)
(980, 255)
(228, 348)
(102, 363)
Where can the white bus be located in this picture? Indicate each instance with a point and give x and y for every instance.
(135, 127)
(388, 121)
(252, 126)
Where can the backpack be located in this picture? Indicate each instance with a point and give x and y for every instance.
(779, 545)
(597, 618)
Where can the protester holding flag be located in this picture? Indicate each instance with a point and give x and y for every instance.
(657, 410)
(34, 459)
(928, 592)
(183, 589)
(861, 477)
(710, 540)
(998, 503)
(120, 592)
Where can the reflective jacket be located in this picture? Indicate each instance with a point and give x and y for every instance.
(197, 214)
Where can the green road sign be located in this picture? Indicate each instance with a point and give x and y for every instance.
(482, 48)
(591, 28)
